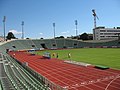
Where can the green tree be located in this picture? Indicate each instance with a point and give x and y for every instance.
(59, 37)
(10, 36)
(84, 36)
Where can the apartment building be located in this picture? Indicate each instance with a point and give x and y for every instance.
(102, 33)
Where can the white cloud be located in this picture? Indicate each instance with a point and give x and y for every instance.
(65, 32)
(15, 32)
(41, 33)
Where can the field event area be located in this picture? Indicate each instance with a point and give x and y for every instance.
(97, 56)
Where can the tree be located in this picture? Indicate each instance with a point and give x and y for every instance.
(84, 36)
(90, 36)
(59, 37)
(41, 38)
(27, 38)
(10, 36)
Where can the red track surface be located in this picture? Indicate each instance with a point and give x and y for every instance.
(72, 77)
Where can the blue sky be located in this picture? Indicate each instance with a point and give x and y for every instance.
(39, 15)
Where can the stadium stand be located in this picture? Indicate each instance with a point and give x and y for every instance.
(60, 43)
(5, 82)
(53, 44)
(37, 43)
(47, 43)
(26, 77)
(75, 44)
(17, 45)
(25, 44)
(14, 77)
(69, 43)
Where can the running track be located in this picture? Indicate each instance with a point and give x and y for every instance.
(69, 76)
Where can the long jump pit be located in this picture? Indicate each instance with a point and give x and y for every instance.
(62, 75)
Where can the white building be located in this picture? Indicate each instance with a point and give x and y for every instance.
(102, 33)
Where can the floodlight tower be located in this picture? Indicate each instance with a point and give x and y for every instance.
(22, 29)
(54, 29)
(76, 27)
(4, 19)
(95, 16)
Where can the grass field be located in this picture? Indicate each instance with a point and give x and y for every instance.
(97, 56)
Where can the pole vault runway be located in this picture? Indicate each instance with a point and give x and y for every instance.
(70, 76)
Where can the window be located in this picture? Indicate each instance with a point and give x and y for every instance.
(102, 30)
(101, 33)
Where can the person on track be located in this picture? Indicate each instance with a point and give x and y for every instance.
(56, 55)
(69, 55)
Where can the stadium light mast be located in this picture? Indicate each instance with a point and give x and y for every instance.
(95, 16)
(54, 29)
(22, 29)
(76, 27)
(4, 19)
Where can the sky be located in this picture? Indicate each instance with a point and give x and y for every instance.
(39, 16)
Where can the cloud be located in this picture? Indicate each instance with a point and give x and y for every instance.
(41, 33)
(15, 32)
(65, 32)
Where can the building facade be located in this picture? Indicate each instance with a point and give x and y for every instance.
(102, 33)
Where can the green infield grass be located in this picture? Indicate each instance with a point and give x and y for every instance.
(97, 56)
